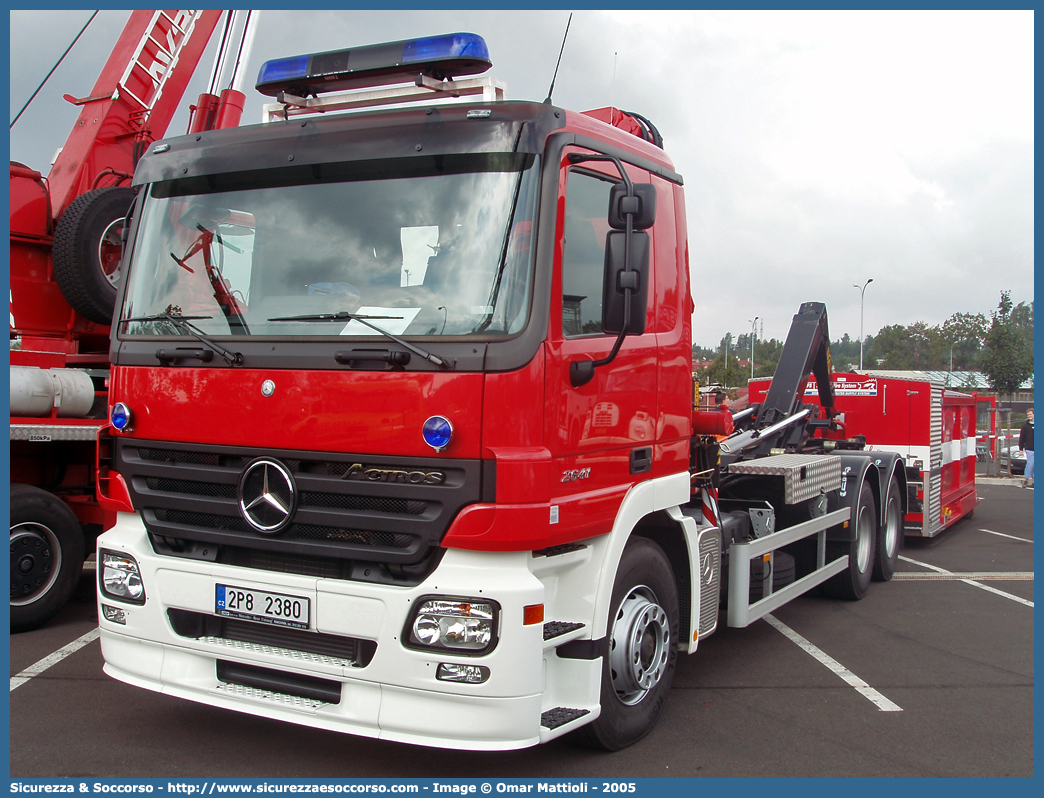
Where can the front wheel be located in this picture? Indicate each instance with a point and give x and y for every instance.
(639, 655)
(854, 581)
(889, 535)
(47, 553)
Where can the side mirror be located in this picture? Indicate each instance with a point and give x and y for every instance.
(642, 206)
(617, 279)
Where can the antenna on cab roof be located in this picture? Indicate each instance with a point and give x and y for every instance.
(554, 77)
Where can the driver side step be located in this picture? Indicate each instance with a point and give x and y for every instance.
(559, 716)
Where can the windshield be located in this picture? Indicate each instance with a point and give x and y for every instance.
(439, 249)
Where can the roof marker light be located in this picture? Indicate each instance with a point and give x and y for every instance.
(440, 57)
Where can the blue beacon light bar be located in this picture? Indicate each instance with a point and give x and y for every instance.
(440, 57)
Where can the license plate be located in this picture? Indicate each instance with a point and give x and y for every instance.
(257, 605)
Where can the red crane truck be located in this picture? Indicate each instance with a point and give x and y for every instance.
(403, 440)
(66, 240)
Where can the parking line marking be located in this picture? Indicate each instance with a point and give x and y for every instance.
(861, 687)
(1001, 534)
(971, 582)
(53, 659)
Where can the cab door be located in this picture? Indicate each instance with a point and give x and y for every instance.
(601, 434)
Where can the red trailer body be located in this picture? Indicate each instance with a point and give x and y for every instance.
(932, 427)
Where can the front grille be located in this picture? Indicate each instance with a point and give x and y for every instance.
(293, 532)
(361, 537)
(196, 625)
(176, 456)
(191, 488)
(366, 504)
(201, 520)
(385, 510)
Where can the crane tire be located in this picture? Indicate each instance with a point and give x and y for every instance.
(853, 582)
(639, 649)
(47, 553)
(87, 250)
(889, 534)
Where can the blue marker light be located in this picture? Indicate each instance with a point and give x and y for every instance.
(437, 432)
(121, 416)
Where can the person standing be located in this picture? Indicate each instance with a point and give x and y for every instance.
(1026, 445)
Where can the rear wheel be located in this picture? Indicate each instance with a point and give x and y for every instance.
(639, 655)
(783, 572)
(853, 582)
(889, 535)
(47, 553)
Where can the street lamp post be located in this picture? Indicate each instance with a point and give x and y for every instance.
(725, 370)
(950, 376)
(862, 291)
(753, 332)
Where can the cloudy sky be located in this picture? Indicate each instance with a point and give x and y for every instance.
(819, 149)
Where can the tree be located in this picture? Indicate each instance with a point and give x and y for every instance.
(1022, 318)
(845, 353)
(1007, 359)
(899, 347)
(963, 334)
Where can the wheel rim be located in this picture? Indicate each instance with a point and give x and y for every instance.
(865, 530)
(891, 539)
(36, 559)
(110, 250)
(639, 647)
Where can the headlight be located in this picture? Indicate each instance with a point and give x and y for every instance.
(120, 577)
(463, 625)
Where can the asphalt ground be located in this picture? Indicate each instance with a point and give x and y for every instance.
(951, 659)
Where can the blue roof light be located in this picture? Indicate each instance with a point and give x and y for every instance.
(437, 432)
(450, 55)
(284, 69)
(452, 45)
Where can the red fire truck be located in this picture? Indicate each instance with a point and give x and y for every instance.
(932, 427)
(403, 440)
(66, 240)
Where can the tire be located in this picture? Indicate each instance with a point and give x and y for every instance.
(87, 251)
(783, 574)
(852, 583)
(47, 553)
(889, 535)
(639, 655)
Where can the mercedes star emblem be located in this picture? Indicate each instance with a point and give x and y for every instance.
(267, 495)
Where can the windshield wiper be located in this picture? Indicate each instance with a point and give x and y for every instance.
(344, 315)
(184, 323)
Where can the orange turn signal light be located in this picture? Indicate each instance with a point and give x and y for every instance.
(533, 613)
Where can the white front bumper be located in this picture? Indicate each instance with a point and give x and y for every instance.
(394, 697)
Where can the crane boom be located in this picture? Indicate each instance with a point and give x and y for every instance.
(132, 102)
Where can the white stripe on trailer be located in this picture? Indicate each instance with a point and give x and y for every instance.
(971, 582)
(861, 687)
(53, 659)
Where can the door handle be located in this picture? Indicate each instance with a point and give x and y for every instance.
(641, 460)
